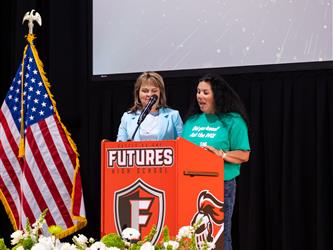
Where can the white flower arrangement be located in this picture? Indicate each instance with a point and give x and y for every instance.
(185, 232)
(147, 246)
(30, 239)
(130, 234)
(173, 245)
(16, 237)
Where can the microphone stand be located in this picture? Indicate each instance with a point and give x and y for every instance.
(140, 120)
(144, 113)
(137, 127)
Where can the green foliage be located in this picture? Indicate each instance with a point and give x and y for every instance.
(16, 246)
(27, 243)
(113, 240)
(135, 247)
(55, 229)
(29, 237)
(159, 246)
(27, 226)
(193, 244)
(151, 234)
(184, 243)
(166, 235)
(3, 245)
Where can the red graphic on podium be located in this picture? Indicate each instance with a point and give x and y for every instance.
(140, 206)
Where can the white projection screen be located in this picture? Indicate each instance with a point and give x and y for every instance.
(163, 35)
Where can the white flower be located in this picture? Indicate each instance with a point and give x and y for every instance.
(38, 224)
(147, 246)
(127, 244)
(172, 243)
(26, 234)
(20, 248)
(16, 237)
(81, 240)
(67, 246)
(98, 246)
(34, 231)
(130, 234)
(46, 242)
(185, 232)
(210, 245)
(112, 248)
(40, 246)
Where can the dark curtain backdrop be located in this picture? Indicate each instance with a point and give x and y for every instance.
(284, 197)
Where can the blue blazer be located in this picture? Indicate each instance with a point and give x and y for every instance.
(170, 121)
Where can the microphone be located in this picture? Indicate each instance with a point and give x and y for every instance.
(146, 110)
(144, 113)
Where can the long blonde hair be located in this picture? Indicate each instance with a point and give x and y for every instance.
(152, 78)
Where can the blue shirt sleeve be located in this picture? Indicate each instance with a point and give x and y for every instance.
(122, 131)
(178, 123)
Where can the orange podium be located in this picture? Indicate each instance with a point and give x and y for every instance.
(162, 183)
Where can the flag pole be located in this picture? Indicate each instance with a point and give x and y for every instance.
(21, 145)
(30, 17)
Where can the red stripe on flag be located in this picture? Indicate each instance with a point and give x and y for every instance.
(37, 194)
(13, 144)
(9, 168)
(48, 178)
(55, 156)
(78, 185)
(70, 152)
(77, 195)
(15, 181)
(10, 201)
(28, 175)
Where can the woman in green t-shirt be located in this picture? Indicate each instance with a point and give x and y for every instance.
(217, 121)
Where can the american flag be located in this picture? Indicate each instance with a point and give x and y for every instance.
(47, 176)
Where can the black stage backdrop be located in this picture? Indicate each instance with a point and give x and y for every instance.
(284, 198)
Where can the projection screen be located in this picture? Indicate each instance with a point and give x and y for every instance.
(162, 35)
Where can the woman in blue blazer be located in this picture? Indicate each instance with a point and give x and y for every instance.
(162, 123)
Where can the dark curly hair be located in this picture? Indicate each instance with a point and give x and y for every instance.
(225, 98)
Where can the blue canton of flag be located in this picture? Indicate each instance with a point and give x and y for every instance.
(37, 103)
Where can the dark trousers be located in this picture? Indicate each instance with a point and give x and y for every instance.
(229, 202)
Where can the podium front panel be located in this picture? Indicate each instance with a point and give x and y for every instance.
(138, 186)
(201, 192)
(159, 183)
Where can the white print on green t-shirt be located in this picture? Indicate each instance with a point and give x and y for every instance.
(204, 132)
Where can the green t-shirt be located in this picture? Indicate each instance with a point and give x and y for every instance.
(226, 131)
